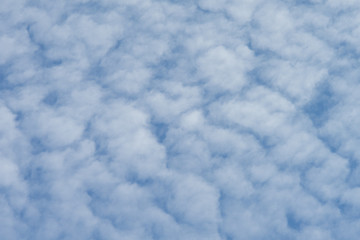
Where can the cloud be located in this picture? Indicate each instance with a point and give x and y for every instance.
(179, 120)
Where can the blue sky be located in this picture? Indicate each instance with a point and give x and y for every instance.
(155, 119)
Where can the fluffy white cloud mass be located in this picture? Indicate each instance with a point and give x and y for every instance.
(165, 119)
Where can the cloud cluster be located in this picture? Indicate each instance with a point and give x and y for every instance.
(164, 119)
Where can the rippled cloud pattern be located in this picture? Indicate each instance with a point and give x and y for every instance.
(155, 119)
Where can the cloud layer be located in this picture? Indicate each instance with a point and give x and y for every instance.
(163, 119)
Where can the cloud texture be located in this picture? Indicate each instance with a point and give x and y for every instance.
(161, 119)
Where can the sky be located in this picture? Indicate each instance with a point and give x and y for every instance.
(167, 119)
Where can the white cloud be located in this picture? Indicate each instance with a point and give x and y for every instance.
(179, 120)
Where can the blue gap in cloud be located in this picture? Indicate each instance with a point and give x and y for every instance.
(40, 54)
(35, 175)
(101, 149)
(202, 10)
(4, 84)
(96, 235)
(222, 203)
(133, 177)
(116, 46)
(344, 209)
(38, 180)
(303, 2)
(159, 130)
(5, 70)
(261, 52)
(180, 2)
(348, 210)
(51, 98)
(19, 116)
(318, 108)
(258, 78)
(163, 193)
(96, 73)
(168, 62)
(37, 146)
(162, 68)
(353, 178)
(98, 200)
(267, 142)
(89, 7)
(346, 50)
(293, 222)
